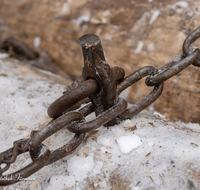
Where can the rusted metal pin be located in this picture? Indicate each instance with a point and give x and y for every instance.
(96, 67)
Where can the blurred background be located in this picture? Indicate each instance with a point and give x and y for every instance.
(134, 34)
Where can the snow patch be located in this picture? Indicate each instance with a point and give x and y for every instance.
(150, 47)
(154, 16)
(139, 47)
(104, 141)
(84, 18)
(79, 167)
(36, 42)
(179, 6)
(128, 143)
(61, 182)
(182, 4)
(3, 55)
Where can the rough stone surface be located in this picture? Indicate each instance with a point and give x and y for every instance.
(134, 34)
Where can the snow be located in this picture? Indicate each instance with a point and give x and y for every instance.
(85, 17)
(150, 47)
(80, 166)
(61, 182)
(3, 55)
(37, 42)
(182, 4)
(179, 6)
(139, 47)
(167, 158)
(128, 143)
(154, 16)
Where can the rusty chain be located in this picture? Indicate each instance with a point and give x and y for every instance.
(103, 86)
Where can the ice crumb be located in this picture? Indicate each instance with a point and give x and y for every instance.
(159, 114)
(182, 4)
(125, 93)
(127, 121)
(175, 81)
(108, 37)
(104, 141)
(61, 182)
(154, 16)
(3, 55)
(150, 144)
(115, 27)
(37, 42)
(179, 6)
(64, 7)
(136, 188)
(139, 47)
(84, 18)
(150, 47)
(128, 143)
(79, 167)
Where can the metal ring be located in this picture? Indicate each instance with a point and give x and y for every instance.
(67, 148)
(136, 76)
(187, 49)
(38, 136)
(36, 165)
(142, 104)
(77, 94)
(103, 118)
(159, 78)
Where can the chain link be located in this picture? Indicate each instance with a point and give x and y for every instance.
(103, 86)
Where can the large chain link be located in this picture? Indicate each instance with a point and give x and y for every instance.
(103, 86)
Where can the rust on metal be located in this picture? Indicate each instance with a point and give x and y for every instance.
(82, 91)
(178, 67)
(37, 137)
(187, 45)
(103, 118)
(96, 67)
(26, 171)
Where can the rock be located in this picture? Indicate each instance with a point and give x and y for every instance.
(133, 33)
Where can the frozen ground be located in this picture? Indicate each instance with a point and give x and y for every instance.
(146, 152)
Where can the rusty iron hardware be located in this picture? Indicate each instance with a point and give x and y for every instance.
(103, 86)
(96, 67)
(35, 57)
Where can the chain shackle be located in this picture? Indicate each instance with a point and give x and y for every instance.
(96, 67)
